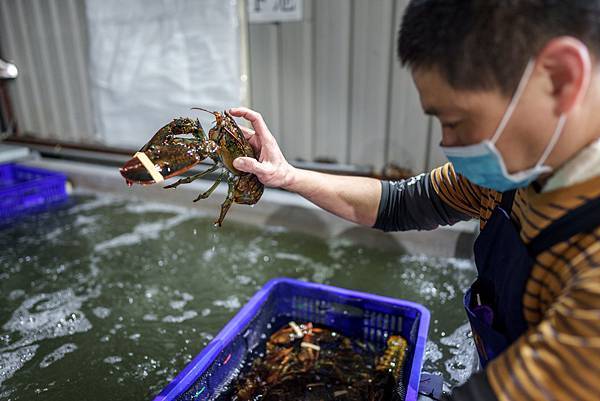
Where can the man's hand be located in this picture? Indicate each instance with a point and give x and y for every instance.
(271, 168)
(352, 198)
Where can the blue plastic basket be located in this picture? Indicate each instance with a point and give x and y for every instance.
(355, 314)
(27, 189)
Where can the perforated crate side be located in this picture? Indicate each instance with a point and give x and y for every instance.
(355, 314)
(27, 189)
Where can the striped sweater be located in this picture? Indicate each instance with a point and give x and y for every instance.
(558, 358)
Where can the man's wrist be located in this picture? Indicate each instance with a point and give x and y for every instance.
(290, 179)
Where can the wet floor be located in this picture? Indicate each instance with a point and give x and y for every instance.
(109, 298)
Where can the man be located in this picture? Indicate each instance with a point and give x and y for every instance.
(516, 87)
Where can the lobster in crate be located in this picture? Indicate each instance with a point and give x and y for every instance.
(304, 362)
(183, 144)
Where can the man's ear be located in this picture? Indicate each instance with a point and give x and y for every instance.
(567, 62)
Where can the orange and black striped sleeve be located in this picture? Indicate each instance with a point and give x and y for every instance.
(559, 358)
(456, 191)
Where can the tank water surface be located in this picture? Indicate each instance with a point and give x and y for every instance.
(115, 296)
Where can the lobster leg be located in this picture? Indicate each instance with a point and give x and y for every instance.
(211, 189)
(226, 204)
(191, 178)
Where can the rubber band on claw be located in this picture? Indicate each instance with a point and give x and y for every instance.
(156, 176)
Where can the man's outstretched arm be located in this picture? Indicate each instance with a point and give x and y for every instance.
(390, 206)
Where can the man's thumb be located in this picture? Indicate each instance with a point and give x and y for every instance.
(246, 164)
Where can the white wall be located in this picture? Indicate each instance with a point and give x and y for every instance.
(48, 41)
(330, 86)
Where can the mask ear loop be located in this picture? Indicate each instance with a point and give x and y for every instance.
(559, 128)
(515, 100)
(561, 122)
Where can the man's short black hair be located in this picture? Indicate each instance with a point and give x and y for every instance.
(485, 44)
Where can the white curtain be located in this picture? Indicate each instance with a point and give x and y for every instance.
(151, 60)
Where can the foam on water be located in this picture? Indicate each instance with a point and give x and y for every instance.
(96, 203)
(232, 303)
(113, 359)
(464, 357)
(317, 272)
(244, 280)
(16, 294)
(101, 312)
(432, 352)
(208, 255)
(187, 315)
(46, 316)
(322, 272)
(54, 234)
(150, 317)
(57, 354)
(293, 257)
(458, 264)
(12, 361)
(82, 220)
(143, 207)
(177, 304)
(141, 232)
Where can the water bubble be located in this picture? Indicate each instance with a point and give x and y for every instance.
(190, 314)
(150, 317)
(231, 303)
(101, 312)
(113, 359)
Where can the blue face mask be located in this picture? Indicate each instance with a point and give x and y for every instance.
(482, 163)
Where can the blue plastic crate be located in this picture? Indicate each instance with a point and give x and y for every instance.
(355, 314)
(27, 189)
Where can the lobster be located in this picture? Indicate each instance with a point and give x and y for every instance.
(183, 144)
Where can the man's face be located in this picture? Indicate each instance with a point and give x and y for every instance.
(469, 117)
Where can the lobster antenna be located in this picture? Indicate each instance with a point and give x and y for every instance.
(208, 111)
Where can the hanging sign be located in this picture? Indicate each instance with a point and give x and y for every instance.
(265, 11)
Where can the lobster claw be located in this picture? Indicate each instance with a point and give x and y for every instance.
(134, 171)
(160, 163)
(179, 126)
(167, 154)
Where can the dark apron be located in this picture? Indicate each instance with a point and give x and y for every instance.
(494, 303)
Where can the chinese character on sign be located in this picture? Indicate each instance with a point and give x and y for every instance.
(263, 11)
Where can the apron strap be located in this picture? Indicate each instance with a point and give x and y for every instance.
(582, 219)
(507, 200)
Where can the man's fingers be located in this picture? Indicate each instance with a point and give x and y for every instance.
(248, 133)
(241, 112)
(252, 138)
(258, 123)
(249, 165)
